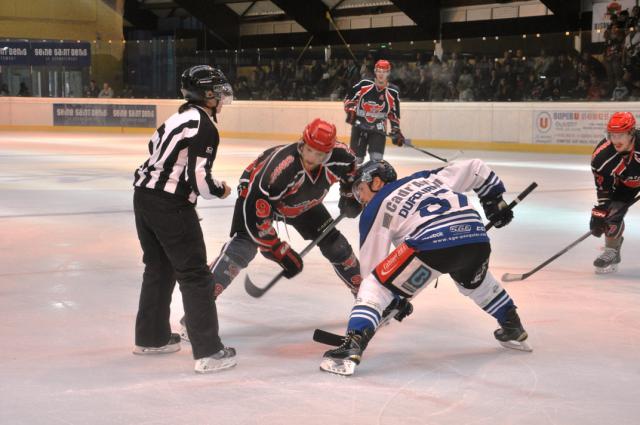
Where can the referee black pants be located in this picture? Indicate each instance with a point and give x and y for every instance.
(173, 249)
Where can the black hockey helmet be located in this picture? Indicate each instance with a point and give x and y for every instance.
(203, 82)
(370, 169)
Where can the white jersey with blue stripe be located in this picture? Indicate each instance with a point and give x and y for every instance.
(427, 210)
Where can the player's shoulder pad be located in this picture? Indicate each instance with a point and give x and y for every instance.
(282, 166)
(394, 87)
(603, 151)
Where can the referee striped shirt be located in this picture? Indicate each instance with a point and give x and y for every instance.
(181, 154)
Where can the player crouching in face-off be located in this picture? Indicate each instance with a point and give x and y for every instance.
(435, 231)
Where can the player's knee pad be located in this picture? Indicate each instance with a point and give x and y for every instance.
(338, 251)
(376, 156)
(234, 256)
(485, 293)
(373, 295)
(403, 273)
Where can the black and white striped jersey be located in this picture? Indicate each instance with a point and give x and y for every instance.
(181, 154)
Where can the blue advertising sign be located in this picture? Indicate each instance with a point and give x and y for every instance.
(97, 115)
(14, 53)
(61, 54)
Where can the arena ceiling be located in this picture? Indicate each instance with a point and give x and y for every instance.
(229, 23)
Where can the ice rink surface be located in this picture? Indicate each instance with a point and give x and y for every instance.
(70, 272)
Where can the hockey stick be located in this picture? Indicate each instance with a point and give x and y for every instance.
(407, 142)
(513, 277)
(329, 338)
(257, 292)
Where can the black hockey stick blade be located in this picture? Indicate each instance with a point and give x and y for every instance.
(257, 292)
(328, 338)
(512, 277)
(516, 201)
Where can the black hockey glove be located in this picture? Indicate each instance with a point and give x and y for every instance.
(597, 223)
(349, 206)
(285, 256)
(497, 211)
(351, 117)
(396, 137)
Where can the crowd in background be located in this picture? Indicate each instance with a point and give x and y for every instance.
(612, 75)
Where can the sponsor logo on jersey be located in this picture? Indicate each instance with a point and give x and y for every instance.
(394, 261)
(459, 228)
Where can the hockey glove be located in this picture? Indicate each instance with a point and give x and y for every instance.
(396, 137)
(349, 206)
(351, 117)
(497, 211)
(597, 224)
(285, 256)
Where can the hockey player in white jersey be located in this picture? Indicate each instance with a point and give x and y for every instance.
(435, 230)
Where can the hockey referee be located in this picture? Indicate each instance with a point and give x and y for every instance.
(167, 185)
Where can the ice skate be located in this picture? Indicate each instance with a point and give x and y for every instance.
(171, 347)
(223, 359)
(184, 335)
(608, 261)
(344, 359)
(511, 334)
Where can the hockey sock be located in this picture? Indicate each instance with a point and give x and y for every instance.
(499, 306)
(363, 317)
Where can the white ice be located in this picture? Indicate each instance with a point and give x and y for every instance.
(70, 271)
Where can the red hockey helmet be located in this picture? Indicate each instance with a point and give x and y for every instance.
(320, 135)
(621, 122)
(384, 65)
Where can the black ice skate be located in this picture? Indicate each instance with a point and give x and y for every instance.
(344, 359)
(223, 359)
(511, 333)
(608, 261)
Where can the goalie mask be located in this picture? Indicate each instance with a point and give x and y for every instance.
(203, 82)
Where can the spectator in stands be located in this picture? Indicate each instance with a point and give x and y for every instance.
(92, 89)
(595, 91)
(24, 90)
(620, 92)
(581, 90)
(4, 90)
(106, 91)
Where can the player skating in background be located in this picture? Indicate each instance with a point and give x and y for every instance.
(616, 168)
(434, 230)
(369, 104)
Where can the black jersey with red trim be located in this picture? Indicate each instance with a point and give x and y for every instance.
(373, 105)
(617, 175)
(277, 185)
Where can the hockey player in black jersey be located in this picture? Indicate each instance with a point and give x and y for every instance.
(615, 164)
(167, 185)
(369, 104)
(288, 183)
